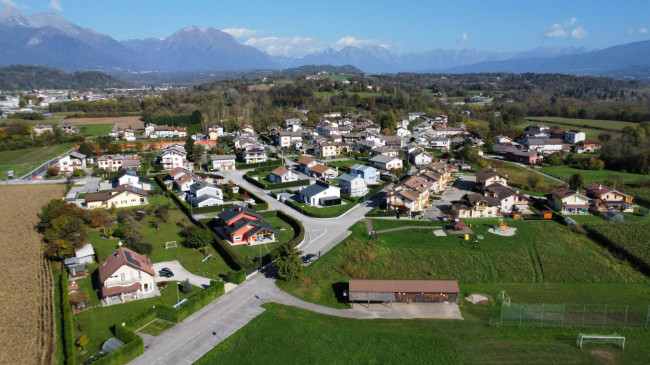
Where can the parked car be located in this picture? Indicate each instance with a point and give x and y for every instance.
(309, 258)
(165, 272)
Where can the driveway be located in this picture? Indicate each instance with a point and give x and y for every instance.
(454, 192)
(180, 274)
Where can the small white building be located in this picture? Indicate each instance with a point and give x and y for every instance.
(132, 178)
(223, 162)
(281, 175)
(321, 194)
(353, 185)
(386, 162)
(420, 158)
(71, 161)
(403, 132)
(574, 136)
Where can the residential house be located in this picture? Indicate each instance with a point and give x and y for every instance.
(292, 122)
(123, 133)
(247, 129)
(403, 132)
(410, 195)
(42, 129)
(120, 197)
(323, 172)
(254, 154)
(487, 176)
(530, 157)
(369, 174)
(126, 275)
(244, 141)
(501, 139)
(132, 178)
(165, 131)
(223, 162)
(420, 158)
(331, 149)
(386, 162)
(385, 151)
(353, 185)
(587, 145)
(320, 194)
(85, 255)
(180, 179)
(442, 143)
(173, 156)
(574, 136)
(475, 205)
(606, 198)
(286, 139)
(557, 133)
(536, 128)
(510, 200)
(203, 194)
(448, 131)
(71, 161)
(215, 131)
(305, 163)
(281, 175)
(395, 142)
(118, 162)
(568, 201)
(415, 116)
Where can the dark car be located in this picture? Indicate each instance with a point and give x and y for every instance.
(309, 258)
(165, 272)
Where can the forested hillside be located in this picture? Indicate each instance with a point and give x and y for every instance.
(37, 77)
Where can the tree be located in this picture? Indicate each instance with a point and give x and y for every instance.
(592, 164)
(189, 147)
(186, 287)
(198, 239)
(99, 218)
(555, 159)
(82, 342)
(52, 171)
(163, 212)
(389, 121)
(615, 181)
(78, 173)
(288, 262)
(533, 180)
(197, 117)
(85, 149)
(576, 181)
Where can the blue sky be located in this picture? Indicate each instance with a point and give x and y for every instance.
(295, 28)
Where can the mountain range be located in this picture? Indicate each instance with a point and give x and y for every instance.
(47, 39)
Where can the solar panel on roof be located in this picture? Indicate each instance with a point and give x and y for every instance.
(130, 259)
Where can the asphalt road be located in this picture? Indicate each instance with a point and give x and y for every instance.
(199, 333)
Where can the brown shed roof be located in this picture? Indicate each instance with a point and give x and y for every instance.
(119, 258)
(405, 286)
(306, 160)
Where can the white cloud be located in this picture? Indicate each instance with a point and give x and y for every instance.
(642, 30)
(558, 30)
(55, 5)
(351, 41)
(463, 38)
(579, 33)
(243, 33)
(13, 4)
(288, 46)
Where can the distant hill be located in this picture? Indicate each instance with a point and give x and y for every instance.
(38, 77)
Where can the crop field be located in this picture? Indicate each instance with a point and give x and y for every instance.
(610, 125)
(132, 122)
(539, 252)
(629, 237)
(565, 172)
(95, 129)
(306, 336)
(523, 178)
(27, 321)
(25, 160)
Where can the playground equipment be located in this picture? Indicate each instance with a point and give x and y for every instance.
(502, 226)
(206, 258)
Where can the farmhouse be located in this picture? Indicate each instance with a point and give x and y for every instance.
(320, 193)
(120, 197)
(126, 275)
(281, 175)
(242, 225)
(404, 291)
(574, 136)
(223, 162)
(587, 145)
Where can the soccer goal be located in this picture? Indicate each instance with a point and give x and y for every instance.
(615, 339)
(170, 244)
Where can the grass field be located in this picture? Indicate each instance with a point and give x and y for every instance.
(95, 129)
(132, 122)
(610, 125)
(590, 176)
(520, 177)
(306, 336)
(190, 258)
(26, 324)
(25, 160)
(539, 252)
(591, 133)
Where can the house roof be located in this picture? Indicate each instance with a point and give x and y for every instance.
(475, 198)
(235, 211)
(405, 286)
(113, 192)
(348, 177)
(124, 256)
(360, 167)
(316, 189)
(202, 184)
(417, 183)
(128, 172)
(383, 159)
(280, 171)
(597, 188)
(306, 160)
(222, 157)
(501, 192)
(321, 169)
(114, 290)
(486, 173)
(563, 192)
(87, 250)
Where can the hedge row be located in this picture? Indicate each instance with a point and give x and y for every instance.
(326, 212)
(68, 324)
(273, 186)
(133, 347)
(236, 277)
(269, 163)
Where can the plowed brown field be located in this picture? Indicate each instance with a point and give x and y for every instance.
(27, 320)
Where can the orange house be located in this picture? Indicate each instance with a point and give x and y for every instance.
(242, 225)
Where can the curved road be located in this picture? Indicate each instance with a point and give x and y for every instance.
(188, 341)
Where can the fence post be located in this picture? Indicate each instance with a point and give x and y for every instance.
(583, 315)
(605, 316)
(626, 309)
(521, 307)
(501, 320)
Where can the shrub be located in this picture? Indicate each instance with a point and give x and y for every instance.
(187, 287)
(68, 325)
(52, 171)
(236, 277)
(198, 238)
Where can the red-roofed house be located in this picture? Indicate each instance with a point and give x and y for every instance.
(126, 275)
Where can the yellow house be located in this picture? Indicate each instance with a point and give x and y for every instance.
(122, 196)
(567, 201)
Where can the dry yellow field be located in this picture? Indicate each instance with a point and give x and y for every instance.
(122, 122)
(27, 320)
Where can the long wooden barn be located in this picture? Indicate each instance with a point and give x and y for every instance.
(404, 291)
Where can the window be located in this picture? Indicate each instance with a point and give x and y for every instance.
(122, 277)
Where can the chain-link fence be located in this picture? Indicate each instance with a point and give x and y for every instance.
(573, 315)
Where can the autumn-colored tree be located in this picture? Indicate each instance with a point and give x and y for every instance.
(99, 218)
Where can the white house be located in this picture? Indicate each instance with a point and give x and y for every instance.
(353, 185)
(306, 163)
(132, 178)
(439, 142)
(164, 131)
(223, 162)
(403, 132)
(71, 161)
(386, 162)
(369, 174)
(321, 193)
(126, 275)
(180, 179)
(281, 175)
(574, 136)
(203, 194)
(117, 162)
(254, 154)
(85, 254)
(286, 139)
(323, 172)
(420, 158)
(173, 157)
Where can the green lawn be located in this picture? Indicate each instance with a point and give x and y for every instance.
(614, 125)
(95, 129)
(25, 160)
(336, 77)
(248, 253)
(322, 212)
(306, 336)
(157, 326)
(97, 322)
(591, 133)
(590, 176)
(523, 178)
(539, 252)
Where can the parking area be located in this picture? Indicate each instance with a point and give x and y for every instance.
(453, 193)
(406, 311)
